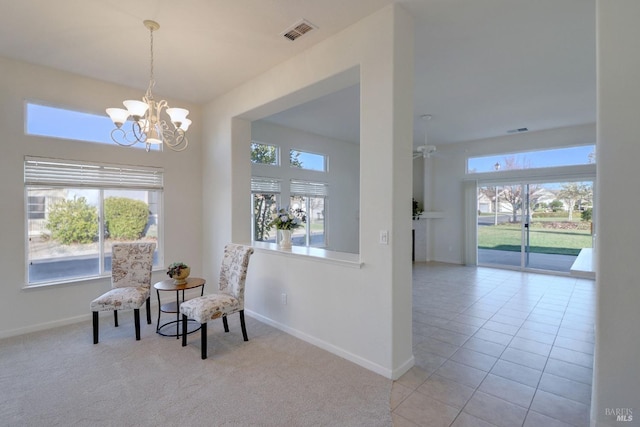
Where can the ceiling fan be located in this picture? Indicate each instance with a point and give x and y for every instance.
(425, 151)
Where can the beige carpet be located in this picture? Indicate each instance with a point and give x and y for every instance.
(59, 378)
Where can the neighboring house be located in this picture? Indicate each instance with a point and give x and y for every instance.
(38, 205)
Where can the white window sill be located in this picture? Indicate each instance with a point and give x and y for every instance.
(79, 280)
(321, 255)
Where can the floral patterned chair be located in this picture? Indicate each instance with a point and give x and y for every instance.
(130, 284)
(228, 300)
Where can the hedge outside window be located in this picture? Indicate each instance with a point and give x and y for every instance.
(69, 242)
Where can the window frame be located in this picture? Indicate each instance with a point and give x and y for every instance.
(79, 121)
(310, 189)
(521, 156)
(47, 174)
(277, 154)
(265, 186)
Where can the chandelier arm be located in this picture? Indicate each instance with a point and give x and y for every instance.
(137, 131)
(180, 140)
(120, 137)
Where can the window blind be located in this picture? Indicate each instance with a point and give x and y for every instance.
(303, 188)
(41, 171)
(265, 185)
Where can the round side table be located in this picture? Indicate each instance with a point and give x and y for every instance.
(174, 306)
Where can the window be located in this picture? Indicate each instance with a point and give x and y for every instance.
(308, 161)
(265, 198)
(43, 120)
(311, 198)
(35, 207)
(264, 154)
(75, 211)
(554, 157)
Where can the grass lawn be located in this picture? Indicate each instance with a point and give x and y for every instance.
(506, 237)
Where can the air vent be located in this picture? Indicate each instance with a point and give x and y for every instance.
(298, 29)
(520, 130)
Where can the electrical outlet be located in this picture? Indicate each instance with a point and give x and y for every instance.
(283, 297)
(384, 237)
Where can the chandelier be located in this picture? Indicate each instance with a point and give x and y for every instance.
(147, 125)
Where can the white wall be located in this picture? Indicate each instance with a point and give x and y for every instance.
(24, 310)
(447, 172)
(363, 314)
(343, 203)
(617, 352)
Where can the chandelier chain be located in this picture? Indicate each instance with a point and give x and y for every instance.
(151, 64)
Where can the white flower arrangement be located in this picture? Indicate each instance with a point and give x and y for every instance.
(287, 220)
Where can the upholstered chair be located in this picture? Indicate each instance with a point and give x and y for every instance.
(130, 284)
(228, 300)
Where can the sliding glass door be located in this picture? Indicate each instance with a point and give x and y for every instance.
(499, 226)
(534, 225)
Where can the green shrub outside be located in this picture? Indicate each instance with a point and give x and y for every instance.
(73, 221)
(125, 218)
(587, 214)
(559, 214)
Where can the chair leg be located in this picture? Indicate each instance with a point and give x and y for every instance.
(184, 330)
(95, 327)
(224, 322)
(136, 318)
(203, 340)
(148, 310)
(115, 317)
(242, 325)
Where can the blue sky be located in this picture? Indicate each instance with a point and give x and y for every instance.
(312, 161)
(535, 159)
(51, 121)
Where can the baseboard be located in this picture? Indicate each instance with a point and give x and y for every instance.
(367, 364)
(402, 369)
(44, 326)
(62, 322)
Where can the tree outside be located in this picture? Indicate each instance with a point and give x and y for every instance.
(574, 194)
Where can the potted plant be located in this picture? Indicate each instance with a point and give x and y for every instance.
(417, 209)
(179, 271)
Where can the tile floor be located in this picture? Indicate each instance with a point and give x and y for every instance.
(497, 348)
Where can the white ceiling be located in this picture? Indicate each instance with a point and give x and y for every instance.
(483, 67)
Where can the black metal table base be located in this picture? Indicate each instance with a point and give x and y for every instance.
(192, 326)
